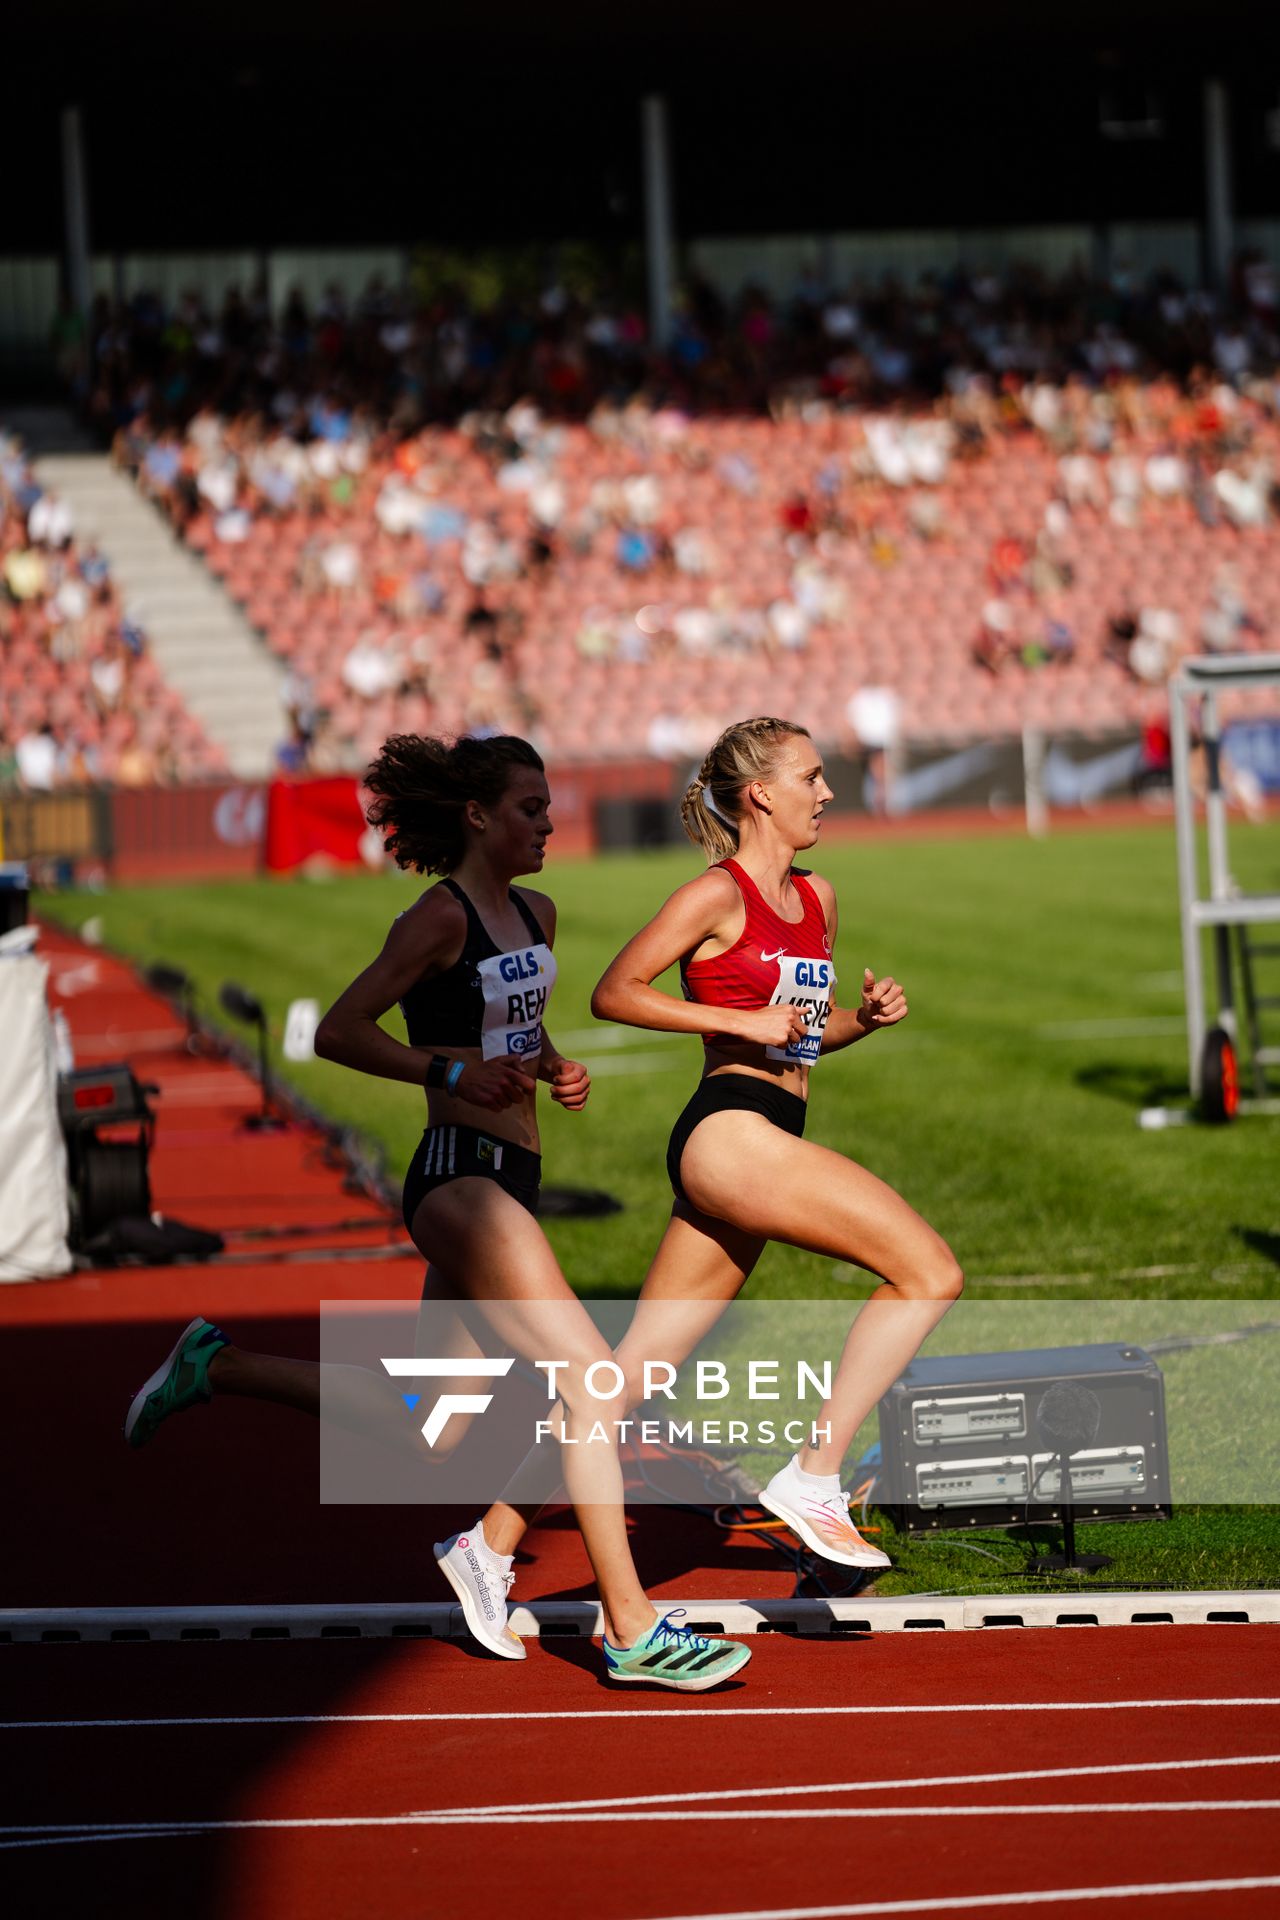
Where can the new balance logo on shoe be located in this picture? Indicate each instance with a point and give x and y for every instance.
(482, 1585)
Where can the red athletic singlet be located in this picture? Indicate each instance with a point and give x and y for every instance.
(773, 962)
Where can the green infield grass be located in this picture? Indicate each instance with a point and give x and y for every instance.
(1046, 1009)
(1045, 990)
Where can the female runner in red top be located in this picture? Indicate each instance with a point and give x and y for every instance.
(754, 938)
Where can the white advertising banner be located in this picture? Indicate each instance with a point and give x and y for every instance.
(33, 1156)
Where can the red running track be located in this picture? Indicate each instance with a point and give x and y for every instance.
(455, 1801)
(223, 1508)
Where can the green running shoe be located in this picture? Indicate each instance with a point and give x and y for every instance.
(177, 1383)
(671, 1656)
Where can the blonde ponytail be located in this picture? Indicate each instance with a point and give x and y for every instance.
(717, 838)
(744, 752)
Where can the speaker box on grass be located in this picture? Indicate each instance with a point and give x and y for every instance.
(976, 1440)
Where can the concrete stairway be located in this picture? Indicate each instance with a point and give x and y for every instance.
(199, 638)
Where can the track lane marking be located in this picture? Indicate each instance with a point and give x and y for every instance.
(946, 1902)
(866, 1786)
(631, 1713)
(17, 1836)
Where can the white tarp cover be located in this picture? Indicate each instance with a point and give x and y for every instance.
(33, 1155)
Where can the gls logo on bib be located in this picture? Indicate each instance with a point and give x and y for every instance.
(516, 987)
(809, 985)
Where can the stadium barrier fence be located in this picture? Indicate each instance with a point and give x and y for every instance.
(225, 828)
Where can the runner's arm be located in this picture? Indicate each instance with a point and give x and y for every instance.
(424, 940)
(701, 910)
(884, 1002)
(569, 1081)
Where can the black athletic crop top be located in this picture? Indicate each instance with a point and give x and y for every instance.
(486, 999)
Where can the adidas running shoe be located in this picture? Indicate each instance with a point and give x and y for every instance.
(820, 1520)
(482, 1590)
(673, 1656)
(178, 1382)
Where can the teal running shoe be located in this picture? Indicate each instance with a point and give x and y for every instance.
(177, 1383)
(672, 1656)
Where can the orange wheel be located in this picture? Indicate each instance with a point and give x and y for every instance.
(1219, 1078)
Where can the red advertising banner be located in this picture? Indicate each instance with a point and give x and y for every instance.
(306, 818)
(184, 833)
(226, 828)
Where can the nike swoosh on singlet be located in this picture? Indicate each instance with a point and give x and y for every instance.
(781, 954)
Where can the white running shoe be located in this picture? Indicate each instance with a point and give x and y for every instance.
(482, 1590)
(821, 1521)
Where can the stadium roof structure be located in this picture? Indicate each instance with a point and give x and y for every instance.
(1159, 29)
(255, 123)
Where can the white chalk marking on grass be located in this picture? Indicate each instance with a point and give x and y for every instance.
(1229, 1274)
(11, 1837)
(598, 1039)
(602, 1065)
(1147, 1027)
(945, 1903)
(634, 1713)
(1170, 982)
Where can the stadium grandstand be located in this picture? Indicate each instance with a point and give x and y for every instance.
(605, 377)
(920, 487)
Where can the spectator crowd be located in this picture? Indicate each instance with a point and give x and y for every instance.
(81, 700)
(412, 361)
(978, 505)
(615, 583)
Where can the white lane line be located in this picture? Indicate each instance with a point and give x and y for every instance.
(165, 1829)
(868, 1786)
(946, 1903)
(636, 1713)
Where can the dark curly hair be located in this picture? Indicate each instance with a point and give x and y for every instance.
(421, 785)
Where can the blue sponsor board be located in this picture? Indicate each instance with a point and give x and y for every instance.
(1253, 746)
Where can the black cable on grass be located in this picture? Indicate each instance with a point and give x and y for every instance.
(803, 1565)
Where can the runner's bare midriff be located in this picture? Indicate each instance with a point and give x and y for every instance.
(742, 1056)
(517, 1123)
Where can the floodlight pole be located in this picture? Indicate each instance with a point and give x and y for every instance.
(658, 231)
(75, 206)
(1217, 185)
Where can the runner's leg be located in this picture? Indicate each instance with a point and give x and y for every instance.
(490, 1248)
(827, 1204)
(701, 1264)
(352, 1397)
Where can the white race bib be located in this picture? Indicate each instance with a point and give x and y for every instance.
(809, 985)
(516, 988)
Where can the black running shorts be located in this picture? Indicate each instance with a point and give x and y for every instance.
(462, 1153)
(727, 1092)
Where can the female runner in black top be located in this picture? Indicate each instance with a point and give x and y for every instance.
(471, 965)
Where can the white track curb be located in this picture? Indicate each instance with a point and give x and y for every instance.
(442, 1620)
